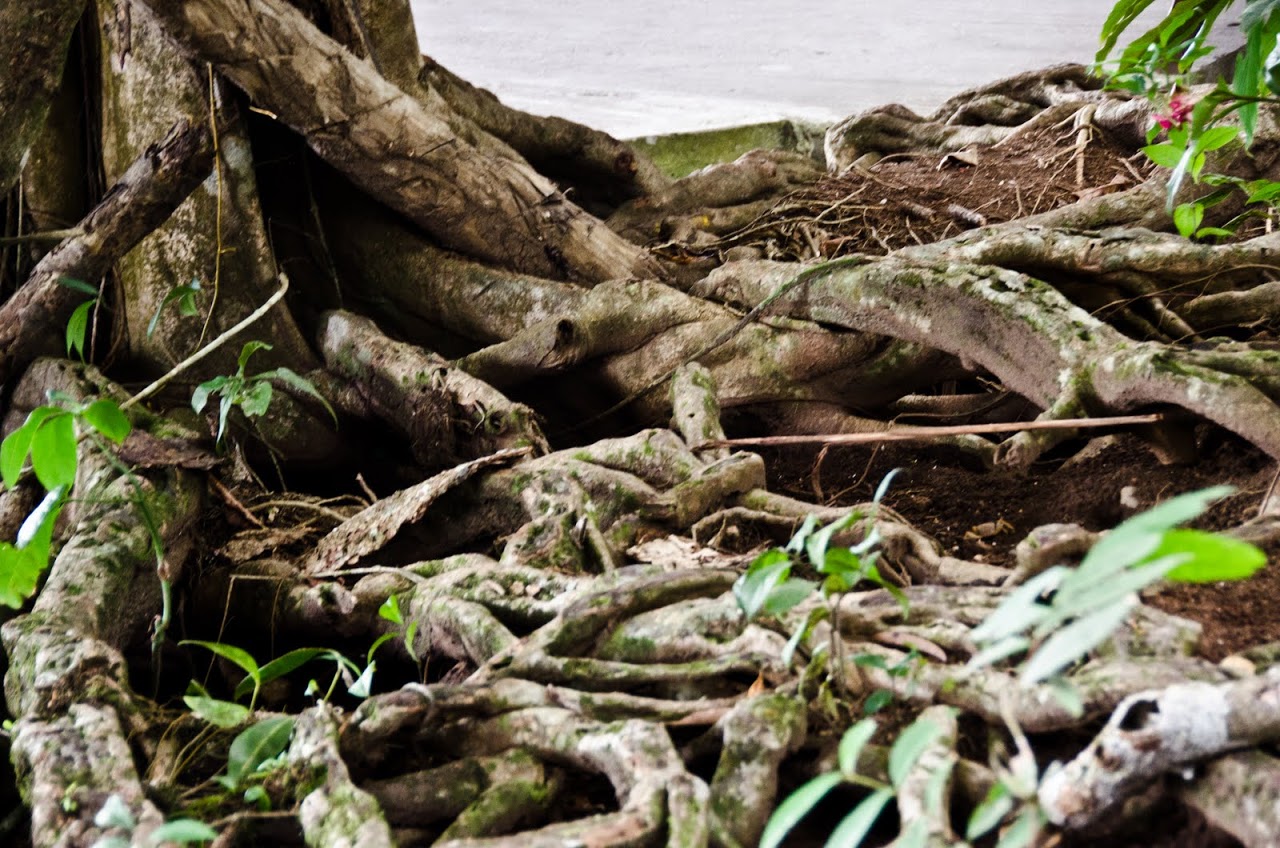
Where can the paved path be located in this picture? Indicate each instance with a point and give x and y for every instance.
(652, 66)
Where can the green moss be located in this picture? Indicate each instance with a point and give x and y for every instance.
(679, 154)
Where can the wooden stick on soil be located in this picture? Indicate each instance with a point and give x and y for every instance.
(911, 434)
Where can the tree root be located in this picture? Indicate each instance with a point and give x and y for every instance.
(1153, 733)
(388, 143)
(67, 684)
(1028, 335)
(146, 194)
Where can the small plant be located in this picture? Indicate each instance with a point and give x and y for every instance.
(1056, 618)
(1157, 65)
(257, 748)
(115, 813)
(250, 392)
(184, 296)
(1062, 614)
(768, 587)
(1059, 616)
(78, 323)
(49, 440)
(390, 611)
(906, 751)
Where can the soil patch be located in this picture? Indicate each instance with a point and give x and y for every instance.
(908, 199)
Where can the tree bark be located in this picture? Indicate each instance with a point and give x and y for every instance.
(36, 38)
(500, 212)
(145, 196)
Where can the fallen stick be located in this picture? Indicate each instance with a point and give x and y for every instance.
(924, 434)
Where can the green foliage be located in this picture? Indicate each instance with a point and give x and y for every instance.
(22, 562)
(115, 813)
(1157, 63)
(78, 323)
(1063, 614)
(255, 749)
(390, 610)
(229, 714)
(252, 393)
(184, 296)
(768, 588)
(903, 756)
(49, 441)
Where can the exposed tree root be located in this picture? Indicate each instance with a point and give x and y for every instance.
(560, 654)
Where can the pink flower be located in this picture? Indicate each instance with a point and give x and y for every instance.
(1177, 115)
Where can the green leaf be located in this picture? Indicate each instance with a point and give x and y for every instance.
(377, 643)
(908, 747)
(14, 449)
(752, 589)
(1248, 75)
(284, 664)
(883, 488)
(78, 286)
(855, 826)
(1067, 696)
(224, 409)
(184, 295)
(852, 743)
(877, 701)
(257, 797)
(1215, 138)
(798, 539)
(239, 656)
(78, 328)
(20, 571)
(53, 451)
(363, 685)
(1213, 232)
(183, 831)
(1024, 830)
(105, 417)
(815, 547)
(302, 384)
(249, 349)
(390, 609)
(990, 812)
(788, 595)
(1165, 155)
(410, 639)
(200, 397)
(114, 812)
(36, 530)
(1187, 217)
(255, 745)
(999, 650)
(256, 399)
(1075, 641)
(217, 712)
(1021, 608)
(844, 563)
(793, 644)
(1137, 538)
(796, 807)
(1123, 14)
(1213, 556)
(1082, 597)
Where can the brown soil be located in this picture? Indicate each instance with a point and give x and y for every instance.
(1112, 480)
(909, 199)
